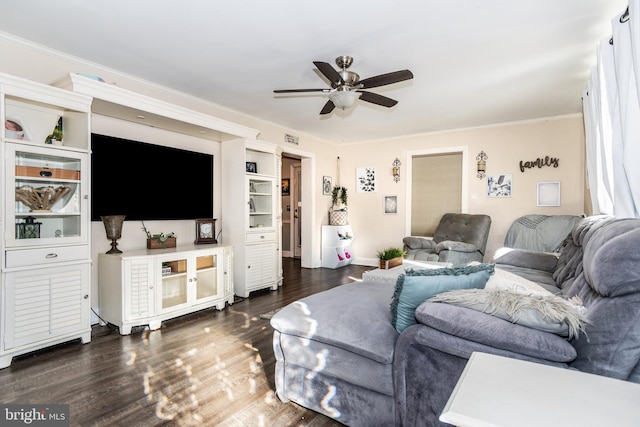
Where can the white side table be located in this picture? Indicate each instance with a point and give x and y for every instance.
(496, 391)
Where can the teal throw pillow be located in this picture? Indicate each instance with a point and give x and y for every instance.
(416, 286)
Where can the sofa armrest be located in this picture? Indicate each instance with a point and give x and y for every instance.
(543, 261)
(430, 356)
(477, 331)
(412, 242)
(452, 245)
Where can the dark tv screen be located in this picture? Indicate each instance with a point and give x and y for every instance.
(149, 182)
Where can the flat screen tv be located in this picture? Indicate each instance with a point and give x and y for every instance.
(149, 182)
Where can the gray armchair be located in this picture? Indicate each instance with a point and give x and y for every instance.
(458, 239)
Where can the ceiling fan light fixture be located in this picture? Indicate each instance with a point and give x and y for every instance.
(344, 99)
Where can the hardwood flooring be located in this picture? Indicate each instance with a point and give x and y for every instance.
(210, 368)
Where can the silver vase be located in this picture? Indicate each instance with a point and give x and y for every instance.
(113, 227)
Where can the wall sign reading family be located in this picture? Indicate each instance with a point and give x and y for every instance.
(539, 163)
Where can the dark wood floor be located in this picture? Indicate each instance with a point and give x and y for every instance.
(211, 368)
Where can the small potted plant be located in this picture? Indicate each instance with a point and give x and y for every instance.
(390, 257)
(157, 241)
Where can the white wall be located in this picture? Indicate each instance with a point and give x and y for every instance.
(505, 145)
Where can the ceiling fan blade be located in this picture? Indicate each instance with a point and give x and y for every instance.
(377, 99)
(386, 79)
(329, 72)
(300, 90)
(328, 107)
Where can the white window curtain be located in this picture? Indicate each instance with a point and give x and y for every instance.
(612, 120)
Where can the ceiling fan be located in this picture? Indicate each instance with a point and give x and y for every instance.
(346, 86)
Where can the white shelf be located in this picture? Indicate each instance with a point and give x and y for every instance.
(45, 267)
(336, 245)
(250, 220)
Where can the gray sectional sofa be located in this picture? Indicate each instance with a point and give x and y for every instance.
(338, 353)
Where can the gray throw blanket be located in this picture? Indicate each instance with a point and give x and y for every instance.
(540, 233)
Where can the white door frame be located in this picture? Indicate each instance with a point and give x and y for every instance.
(310, 236)
(408, 160)
(296, 204)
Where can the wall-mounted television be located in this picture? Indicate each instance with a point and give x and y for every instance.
(148, 181)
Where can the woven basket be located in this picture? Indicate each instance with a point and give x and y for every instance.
(338, 218)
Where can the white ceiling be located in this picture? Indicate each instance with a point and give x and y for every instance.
(474, 63)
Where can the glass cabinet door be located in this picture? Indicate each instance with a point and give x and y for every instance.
(207, 277)
(260, 202)
(174, 284)
(46, 202)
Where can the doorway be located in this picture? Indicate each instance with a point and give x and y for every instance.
(292, 207)
(288, 206)
(296, 226)
(309, 233)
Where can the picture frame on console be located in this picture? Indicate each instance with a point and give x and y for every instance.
(251, 167)
(205, 231)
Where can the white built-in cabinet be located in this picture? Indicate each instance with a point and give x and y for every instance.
(145, 287)
(252, 212)
(336, 245)
(45, 242)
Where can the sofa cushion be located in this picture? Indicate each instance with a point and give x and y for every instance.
(609, 286)
(476, 327)
(416, 286)
(344, 334)
(414, 242)
(544, 261)
(344, 317)
(540, 233)
(570, 261)
(545, 312)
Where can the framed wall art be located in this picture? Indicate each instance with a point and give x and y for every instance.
(390, 204)
(326, 186)
(286, 190)
(499, 185)
(366, 179)
(549, 193)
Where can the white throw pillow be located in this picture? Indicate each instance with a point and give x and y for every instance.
(512, 282)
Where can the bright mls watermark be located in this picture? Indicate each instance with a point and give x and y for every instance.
(34, 415)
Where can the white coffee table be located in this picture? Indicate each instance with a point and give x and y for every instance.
(391, 275)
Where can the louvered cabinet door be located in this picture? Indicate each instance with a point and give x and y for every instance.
(46, 304)
(139, 299)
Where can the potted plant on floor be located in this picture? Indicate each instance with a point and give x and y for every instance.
(390, 257)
